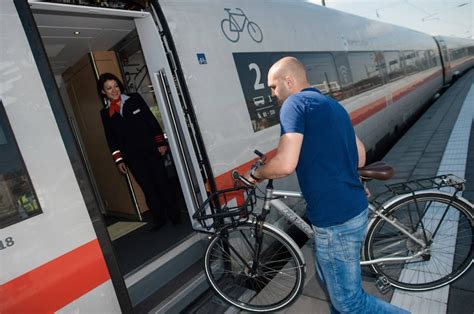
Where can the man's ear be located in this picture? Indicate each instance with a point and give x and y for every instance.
(289, 82)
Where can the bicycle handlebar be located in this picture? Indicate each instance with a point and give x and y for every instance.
(236, 176)
(261, 161)
(260, 154)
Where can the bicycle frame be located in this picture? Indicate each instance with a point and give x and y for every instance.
(233, 20)
(249, 253)
(288, 213)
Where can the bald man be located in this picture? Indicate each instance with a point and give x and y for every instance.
(318, 141)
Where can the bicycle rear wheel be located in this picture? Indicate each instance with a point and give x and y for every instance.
(273, 284)
(446, 229)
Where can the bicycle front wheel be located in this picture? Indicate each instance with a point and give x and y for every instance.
(273, 283)
(444, 224)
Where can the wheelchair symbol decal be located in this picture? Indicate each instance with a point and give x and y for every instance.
(235, 23)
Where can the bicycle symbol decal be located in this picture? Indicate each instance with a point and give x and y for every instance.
(235, 24)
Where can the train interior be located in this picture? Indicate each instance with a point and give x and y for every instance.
(79, 47)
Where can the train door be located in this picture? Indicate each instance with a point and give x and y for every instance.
(445, 60)
(78, 86)
(146, 260)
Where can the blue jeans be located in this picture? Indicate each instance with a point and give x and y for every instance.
(337, 253)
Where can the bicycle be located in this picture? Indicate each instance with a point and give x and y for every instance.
(232, 29)
(419, 238)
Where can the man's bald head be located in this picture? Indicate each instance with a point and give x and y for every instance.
(289, 66)
(287, 77)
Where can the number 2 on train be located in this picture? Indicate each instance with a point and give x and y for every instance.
(258, 85)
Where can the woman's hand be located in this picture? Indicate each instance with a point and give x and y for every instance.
(367, 191)
(163, 150)
(122, 168)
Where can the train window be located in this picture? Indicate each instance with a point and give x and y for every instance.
(392, 62)
(18, 200)
(365, 71)
(409, 58)
(457, 53)
(252, 68)
(321, 72)
(422, 60)
(433, 58)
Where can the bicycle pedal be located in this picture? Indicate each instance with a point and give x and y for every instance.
(382, 284)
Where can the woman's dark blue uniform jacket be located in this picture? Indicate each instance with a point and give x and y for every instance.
(134, 133)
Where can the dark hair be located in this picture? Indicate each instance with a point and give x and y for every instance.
(108, 77)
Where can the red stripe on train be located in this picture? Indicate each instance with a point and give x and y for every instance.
(57, 283)
(365, 112)
(361, 114)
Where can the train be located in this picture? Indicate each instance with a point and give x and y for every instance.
(202, 67)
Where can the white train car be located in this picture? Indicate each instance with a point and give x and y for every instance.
(458, 56)
(207, 64)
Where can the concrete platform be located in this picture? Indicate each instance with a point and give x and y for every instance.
(441, 141)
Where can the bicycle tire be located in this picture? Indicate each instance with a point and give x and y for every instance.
(255, 32)
(450, 252)
(279, 278)
(231, 34)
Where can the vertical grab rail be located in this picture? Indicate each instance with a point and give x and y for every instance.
(161, 76)
(132, 192)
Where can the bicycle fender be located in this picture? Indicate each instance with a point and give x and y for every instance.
(289, 240)
(396, 199)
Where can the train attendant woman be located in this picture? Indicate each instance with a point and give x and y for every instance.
(136, 141)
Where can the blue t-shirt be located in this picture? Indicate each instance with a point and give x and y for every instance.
(327, 166)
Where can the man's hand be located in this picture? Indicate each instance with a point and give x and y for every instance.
(367, 191)
(163, 150)
(250, 179)
(122, 167)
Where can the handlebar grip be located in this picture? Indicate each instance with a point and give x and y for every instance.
(235, 175)
(260, 154)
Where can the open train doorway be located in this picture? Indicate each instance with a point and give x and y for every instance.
(80, 47)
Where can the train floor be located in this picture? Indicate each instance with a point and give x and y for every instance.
(419, 153)
(136, 243)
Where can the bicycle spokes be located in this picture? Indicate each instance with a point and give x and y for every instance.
(244, 277)
(444, 229)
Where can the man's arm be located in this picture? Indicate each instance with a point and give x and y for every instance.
(361, 152)
(286, 159)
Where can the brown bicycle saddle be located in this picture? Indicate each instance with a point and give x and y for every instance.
(378, 170)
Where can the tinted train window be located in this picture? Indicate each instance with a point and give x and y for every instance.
(365, 71)
(321, 72)
(409, 58)
(433, 58)
(18, 200)
(422, 60)
(457, 53)
(393, 64)
(253, 67)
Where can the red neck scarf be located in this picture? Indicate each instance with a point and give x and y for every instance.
(115, 106)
